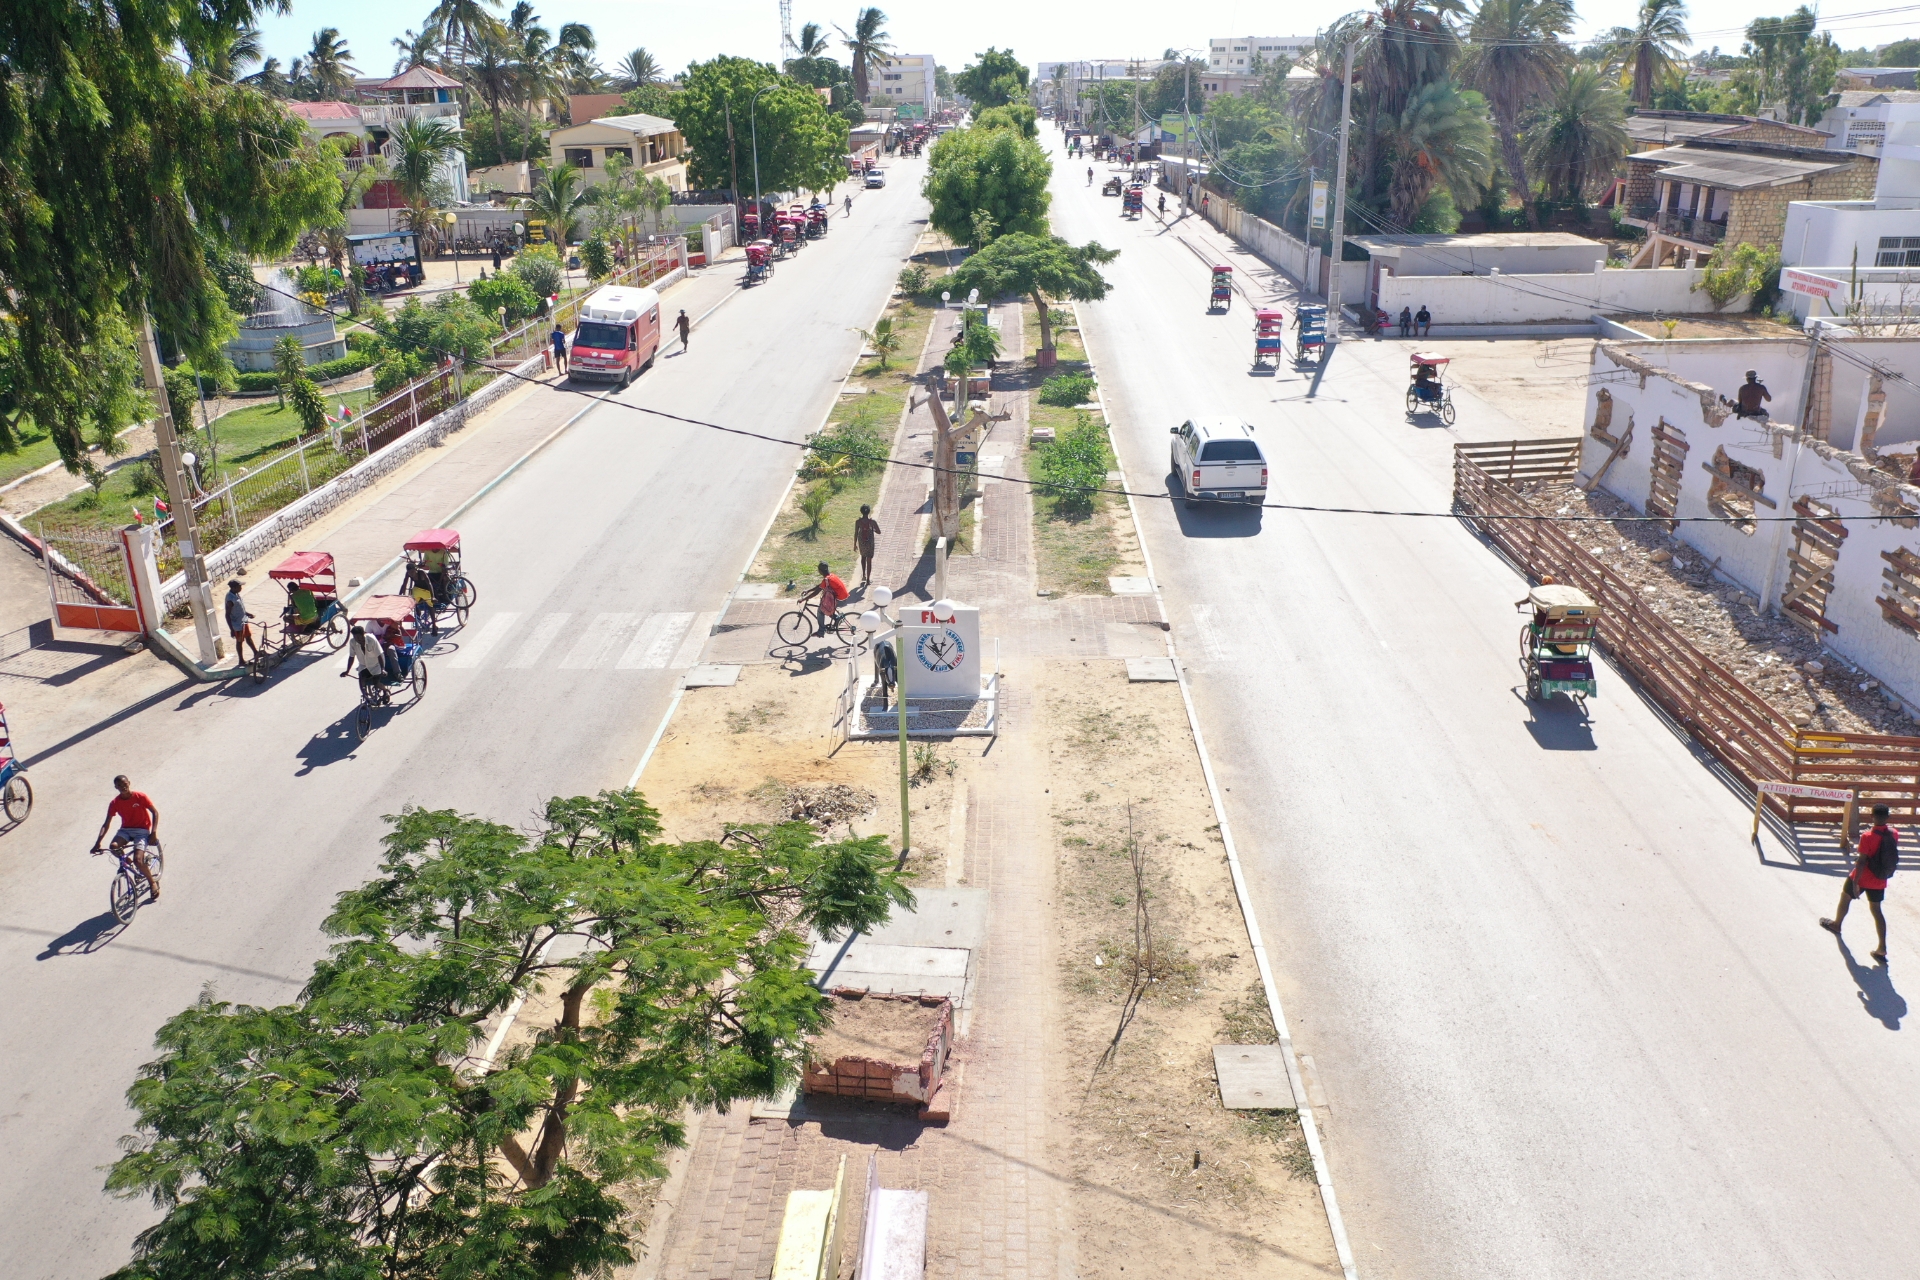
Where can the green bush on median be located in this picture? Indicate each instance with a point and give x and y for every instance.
(1067, 390)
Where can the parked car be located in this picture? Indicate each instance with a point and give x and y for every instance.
(876, 178)
(1218, 460)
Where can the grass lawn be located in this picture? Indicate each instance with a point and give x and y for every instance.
(792, 551)
(1074, 555)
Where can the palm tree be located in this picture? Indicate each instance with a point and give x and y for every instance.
(490, 73)
(638, 68)
(535, 72)
(1514, 56)
(813, 41)
(1441, 138)
(1578, 139)
(573, 56)
(1400, 47)
(226, 51)
(869, 46)
(557, 199)
(463, 22)
(1652, 49)
(269, 79)
(418, 48)
(418, 148)
(329, 65)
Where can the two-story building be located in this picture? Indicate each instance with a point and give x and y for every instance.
(364, 128)
(1857, 121)
(906, 82)
(653, 145)
(1707, 191)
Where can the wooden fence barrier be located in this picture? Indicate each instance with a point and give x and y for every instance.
(1752, 738)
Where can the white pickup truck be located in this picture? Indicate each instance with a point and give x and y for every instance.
(1218, 460)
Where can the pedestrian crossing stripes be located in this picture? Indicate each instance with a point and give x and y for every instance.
(622, 641)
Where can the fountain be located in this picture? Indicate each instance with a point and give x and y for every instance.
(277, 315)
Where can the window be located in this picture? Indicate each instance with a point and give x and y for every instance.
(600, 336)
(579, 157)
(1230, 451)
(1898, 251)
(1901, 604)
(625, 153)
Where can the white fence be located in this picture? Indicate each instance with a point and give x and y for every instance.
(1498, 298)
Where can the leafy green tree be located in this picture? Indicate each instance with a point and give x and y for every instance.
(1109, 105)
(1650, 51)
(1442, 138)
(119, 163)
(803, 145)
(867, 45)
(330, 65)
(1515, 57)
(995, 80)
(505, 293)
(289, 363)
(1015, 115)
(596, 258)
(1177, 86)
(1043, 268)
(359, 1131)
(649, 100)
(539, 266)
(309, 404)
(1073, 468)
(1745, 268)
(995, 172)
(1790, 63)
(1901, 53)
(1579, 137)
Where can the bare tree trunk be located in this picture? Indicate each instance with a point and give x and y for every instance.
(1516, 157)
(1046, 328)
(537, 1169)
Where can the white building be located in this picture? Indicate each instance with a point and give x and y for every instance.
(1858, 120)
(906, 82)
(1861, 255)
(1238, 54)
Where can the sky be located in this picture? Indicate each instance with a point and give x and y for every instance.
(680, 33)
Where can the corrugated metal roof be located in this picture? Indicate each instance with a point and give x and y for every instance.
(1731, 170)
(642, 124)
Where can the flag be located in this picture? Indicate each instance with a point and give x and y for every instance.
(137, 517)
(159, 508)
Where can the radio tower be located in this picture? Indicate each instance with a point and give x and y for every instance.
(788, 49)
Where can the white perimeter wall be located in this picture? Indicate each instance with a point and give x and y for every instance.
(1645, 393)
(1509, 299)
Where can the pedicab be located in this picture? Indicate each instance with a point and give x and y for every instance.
(1112, 186)
(759, 261)
(787, 235)
(312, 609)
(434, 580)
(1427, 389)
(1310, 323)
(379, 614)
(1556, 644)
(749, 226)
(1134, 202)
(16, 793)
(1267, 327)
(1222, 295)
(816, 222)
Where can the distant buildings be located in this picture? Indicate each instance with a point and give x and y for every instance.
(907, 82)
(1239, 55)
(651, 144)
(364, 128)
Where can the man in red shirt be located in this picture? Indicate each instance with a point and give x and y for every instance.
(139, 824)
(832, 591)
(1879, 856)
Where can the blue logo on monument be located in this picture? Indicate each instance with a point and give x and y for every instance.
(941, 650)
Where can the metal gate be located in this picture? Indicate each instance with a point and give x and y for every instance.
(90, 580)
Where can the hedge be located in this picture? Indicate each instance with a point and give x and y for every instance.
(351, 363)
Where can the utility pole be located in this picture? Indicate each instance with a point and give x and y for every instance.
(1337, 234)
(733, 156)
(185, 535)
(1186, 131)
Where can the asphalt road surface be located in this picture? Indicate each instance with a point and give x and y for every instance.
(1569, 1024)
(594, 563)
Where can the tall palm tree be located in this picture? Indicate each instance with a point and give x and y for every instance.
(868, 44)
(417, 149)
(813, 41)
(490, 73)
(558, 200)
(1400, 47)
(535, 68)
(462, 22)
(226, 52)
(573, 56)
(269, 79)
(1578, 139)
(329, 65)
(419, 48)
(636, 69)
(1442, 137)
(1514, 57)
(1653, 48)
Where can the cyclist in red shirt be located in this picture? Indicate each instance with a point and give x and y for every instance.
(139, 826)
(831, 590)
(1879, 856)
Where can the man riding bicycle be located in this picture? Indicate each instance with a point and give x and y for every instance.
(139, 826)
(831, 591)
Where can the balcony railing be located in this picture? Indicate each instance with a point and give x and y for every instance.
(385, 116)
(1703, 231)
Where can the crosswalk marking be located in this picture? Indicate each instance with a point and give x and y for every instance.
(653, 648)
(473, 652)
(536, 644)
(602, 634)
(689, 651)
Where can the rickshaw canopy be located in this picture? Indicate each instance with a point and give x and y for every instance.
(1223, 271)
(302, 565)
(1557, 600)
(434, 540)
(1432, 359)
(384, 609)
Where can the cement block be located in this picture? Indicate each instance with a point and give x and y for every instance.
(1130, 586)
(887, 969)
(1253, 1077)
(711, 675)
(1149, 670)
(756, 591)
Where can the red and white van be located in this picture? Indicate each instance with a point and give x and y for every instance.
(617, 336)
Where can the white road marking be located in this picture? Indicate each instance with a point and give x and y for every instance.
(602, 634)
(537, 643)
(654, 647)
(474, 652)
(689, 652)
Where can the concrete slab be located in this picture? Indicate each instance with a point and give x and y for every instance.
(1151, 670)
(711, 675)
(1131, 640)
(1130, 586)
(955, 917)
(756, 591)
(882, 967)
(1253, 1077)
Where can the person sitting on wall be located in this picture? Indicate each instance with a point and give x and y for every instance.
(1750, 398)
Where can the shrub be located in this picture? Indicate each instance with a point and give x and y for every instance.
(1071, 468)
(357, 339)
(504, 292)
(538, 267)
(813, 505)
(882, 338)
(1067, 389)
(396, 371)
(289, 362)
(914, 279)
(351, 363)
(862, 441)
(596, 258)
(309, 404)
(449, 325)
(1747, 269)
(146, 479)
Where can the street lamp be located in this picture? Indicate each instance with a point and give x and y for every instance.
(871, 622)
(452, 220)
(753, 126)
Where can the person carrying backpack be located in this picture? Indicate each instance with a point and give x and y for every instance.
(1879, 858)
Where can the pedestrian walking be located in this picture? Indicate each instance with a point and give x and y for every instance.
(866, 535)
(1406, 321)
(684, 325)
(1206, 203)
(496, 259)
(1879, 856)
(237, 616)
(1423, 321)
(559, 339)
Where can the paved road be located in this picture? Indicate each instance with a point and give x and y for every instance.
(595, 565)
(1568, 1023)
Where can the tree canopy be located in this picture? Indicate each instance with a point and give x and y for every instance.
(995, 80)
(361, 1131)
(987, 182)
(123, 168)
(1042, 267)
(1015, 115)
(803, 144)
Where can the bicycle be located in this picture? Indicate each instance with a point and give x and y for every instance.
(805, 622)
(123, 897)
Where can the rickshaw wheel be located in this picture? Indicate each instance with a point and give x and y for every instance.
(418, 679)
(1533, 686)
(363, 720)
(423, 617)
(17, 798)
(1526, 643)
(463, 595)
(1446, 412)
(1413, 402)
(336, 633)
(258, 669)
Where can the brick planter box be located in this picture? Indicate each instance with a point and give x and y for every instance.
(881, 1075)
